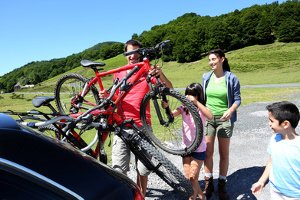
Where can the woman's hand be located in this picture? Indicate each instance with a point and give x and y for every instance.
(227, 115)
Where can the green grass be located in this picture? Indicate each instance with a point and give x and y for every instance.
(252, 95)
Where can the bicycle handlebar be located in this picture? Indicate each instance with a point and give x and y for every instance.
(147, 52)
(47, 122)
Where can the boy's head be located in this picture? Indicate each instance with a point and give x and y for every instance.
(285, 111)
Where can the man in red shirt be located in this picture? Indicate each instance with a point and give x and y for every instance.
(129, 108)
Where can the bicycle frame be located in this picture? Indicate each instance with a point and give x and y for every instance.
(108, 114)
(141, 68)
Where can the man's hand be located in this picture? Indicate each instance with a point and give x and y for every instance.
(103, 94)
(155, 71)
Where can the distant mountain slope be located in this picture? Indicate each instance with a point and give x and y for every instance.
(258, 64)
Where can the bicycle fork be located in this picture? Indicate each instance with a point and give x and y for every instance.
(154, 97)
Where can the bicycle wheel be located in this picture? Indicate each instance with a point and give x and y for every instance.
(50, 131)
(155, 161)
(164, 130)
(76, 138)
(68, 91)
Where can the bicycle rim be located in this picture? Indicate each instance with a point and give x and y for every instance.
(155, 161)
(84, 140)
(168, 136)
(67, 90)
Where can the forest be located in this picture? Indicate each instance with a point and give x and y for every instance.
(191, 36)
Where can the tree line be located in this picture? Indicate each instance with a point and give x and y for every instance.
(191, 35)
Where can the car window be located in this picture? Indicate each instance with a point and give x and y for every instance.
(18, 182)
(16, 187)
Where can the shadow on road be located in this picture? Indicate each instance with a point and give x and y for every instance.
(239, 183)
(238, 186)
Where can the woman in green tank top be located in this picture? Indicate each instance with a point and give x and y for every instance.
(223, 97)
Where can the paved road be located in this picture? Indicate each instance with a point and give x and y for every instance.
(248, 153)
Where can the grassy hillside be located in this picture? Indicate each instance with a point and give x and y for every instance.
(259, 64)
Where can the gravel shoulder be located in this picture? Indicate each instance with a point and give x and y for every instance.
(248, 156)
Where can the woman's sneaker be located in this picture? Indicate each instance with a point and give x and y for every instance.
(223, 195)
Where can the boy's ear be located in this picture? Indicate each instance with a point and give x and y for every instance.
(286, 124)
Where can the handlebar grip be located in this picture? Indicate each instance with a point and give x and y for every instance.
(29, 124)
(132, 52)
(148, 52)
(161, 44)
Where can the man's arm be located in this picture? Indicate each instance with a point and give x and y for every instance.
(158, 72)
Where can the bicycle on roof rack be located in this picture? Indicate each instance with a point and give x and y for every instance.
(104, 119)
(75, 94)
(51, 123)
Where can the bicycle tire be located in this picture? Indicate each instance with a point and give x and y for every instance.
(162, 166)
(75, 141)
(50, 131)
(168, 137)
(67, 89)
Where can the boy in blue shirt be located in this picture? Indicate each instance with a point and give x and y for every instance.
(283, 167)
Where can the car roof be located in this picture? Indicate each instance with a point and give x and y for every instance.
(7, 122)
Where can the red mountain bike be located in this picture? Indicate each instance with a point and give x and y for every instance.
(75, 94)
(69, 128)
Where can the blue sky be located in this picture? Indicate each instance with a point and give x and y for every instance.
(36, 30)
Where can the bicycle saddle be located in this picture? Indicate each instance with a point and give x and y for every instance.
(41, 100)
(88, 63)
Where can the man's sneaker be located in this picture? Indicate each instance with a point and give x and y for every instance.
(223, 195)
(209, 187)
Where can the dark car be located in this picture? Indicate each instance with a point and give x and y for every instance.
(33, 166)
